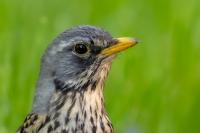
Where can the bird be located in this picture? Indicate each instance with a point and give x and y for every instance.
(69, 91)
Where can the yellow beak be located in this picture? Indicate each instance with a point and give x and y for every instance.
(122, 44)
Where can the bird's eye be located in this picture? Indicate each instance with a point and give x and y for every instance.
(80, 48)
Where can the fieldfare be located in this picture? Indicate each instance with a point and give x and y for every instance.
(69, 91)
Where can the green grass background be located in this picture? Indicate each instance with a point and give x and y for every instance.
(152, 88)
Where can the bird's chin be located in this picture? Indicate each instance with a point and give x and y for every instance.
(108, 59)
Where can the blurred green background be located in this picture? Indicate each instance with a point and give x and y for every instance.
(152, 88)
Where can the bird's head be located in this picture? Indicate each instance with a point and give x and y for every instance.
(77, 60)
(79, 55)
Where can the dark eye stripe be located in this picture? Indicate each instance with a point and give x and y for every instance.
(96, 49)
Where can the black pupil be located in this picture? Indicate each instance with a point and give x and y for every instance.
(80, 48)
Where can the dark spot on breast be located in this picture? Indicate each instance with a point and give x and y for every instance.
(72, 130)
(21, 130)
(102, 126)
(102, 111)
(97, 106)
(90, 109)
(67, 120)
(41, 126)
(94, 129)
(60, 105)
(92, 120)
(56, 115)
(35, 117)
(94, 70)
(82, 126)
(31, 122)
(26, 125)
(110, 125)
(47, 119)
(77, 118)
(96, 114)
(50, 129)
(64, 131)
(75, 130)
(56, 124)
(85, 86)
(94, 85)
(85, 115)
(71, 106)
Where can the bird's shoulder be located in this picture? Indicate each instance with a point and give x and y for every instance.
(32, 123)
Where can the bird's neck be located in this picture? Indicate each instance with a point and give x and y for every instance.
(82, 111)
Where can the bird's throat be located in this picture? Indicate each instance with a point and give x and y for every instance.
(82, 111)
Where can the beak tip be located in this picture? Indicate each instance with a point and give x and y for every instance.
(136, 41)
